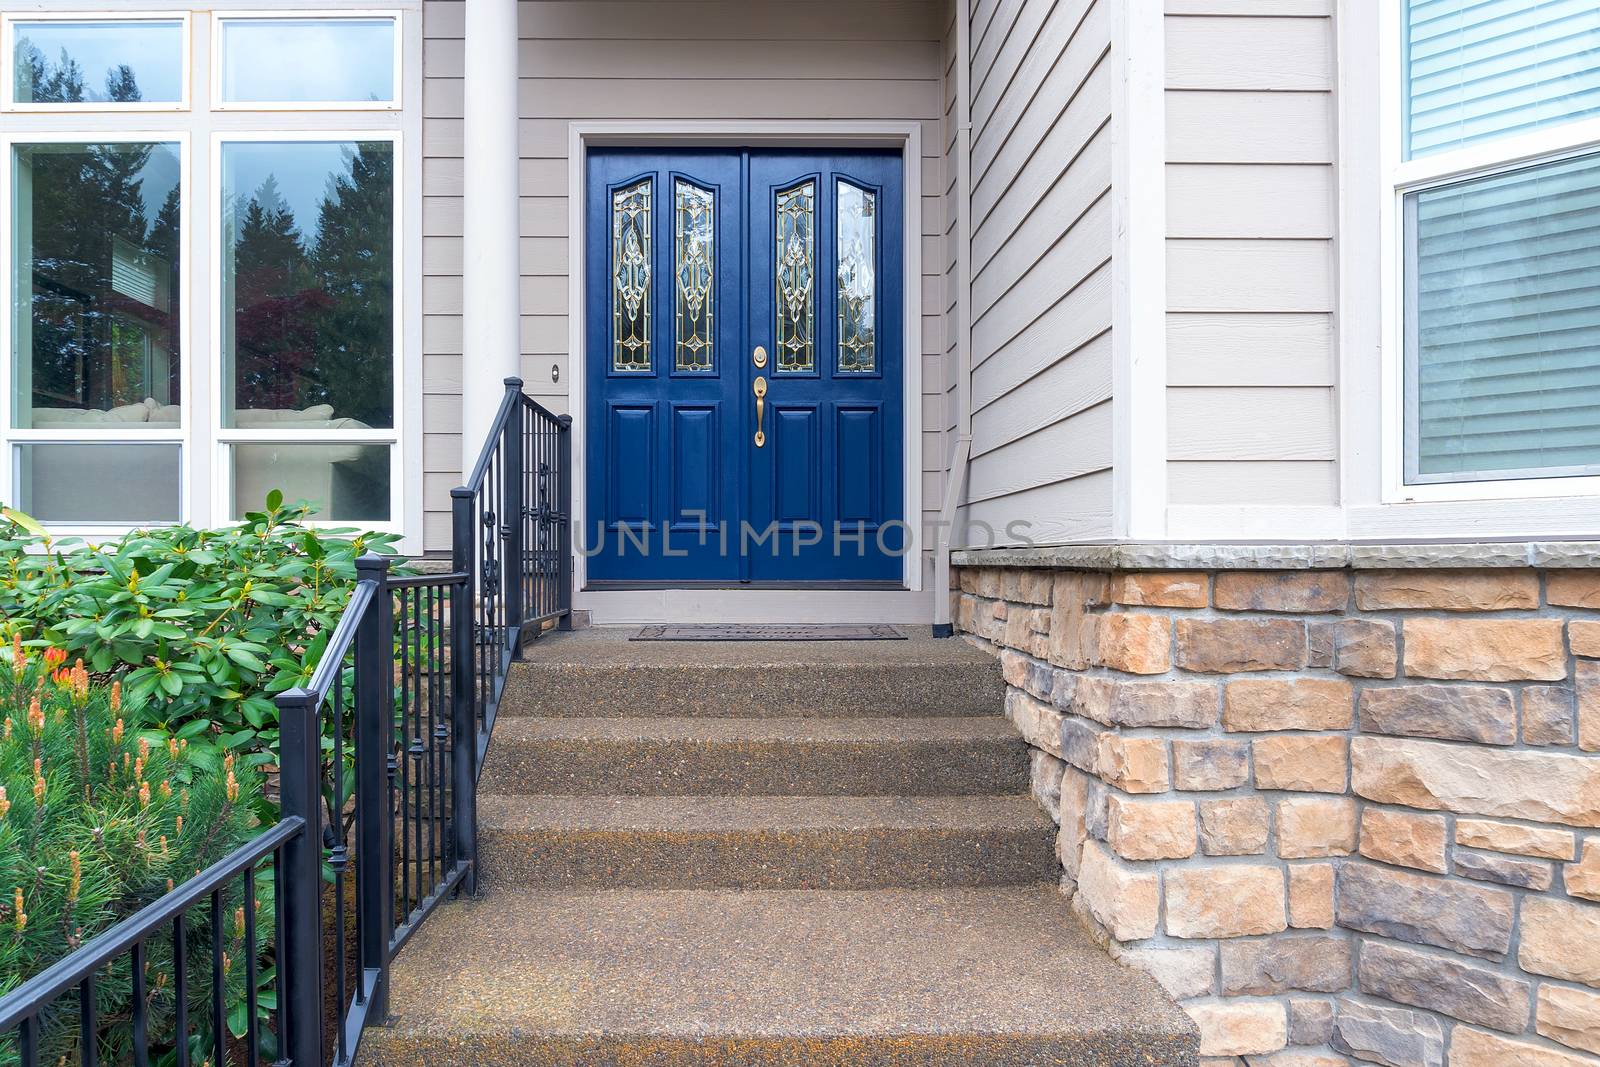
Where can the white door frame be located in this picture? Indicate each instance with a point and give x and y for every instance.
(909, 604)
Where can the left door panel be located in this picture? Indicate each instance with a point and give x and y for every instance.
(663, 336)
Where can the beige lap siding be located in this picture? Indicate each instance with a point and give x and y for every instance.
(1345, 816)
(1251, 192)
(698, 60)
(1042, 94)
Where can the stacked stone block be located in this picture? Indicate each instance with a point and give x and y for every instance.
(1344, 816)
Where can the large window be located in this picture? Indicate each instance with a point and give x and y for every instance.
(70, 63)
(96, 312)
(308, 351)
(170, 359)
(347, 62)
(1496, 179)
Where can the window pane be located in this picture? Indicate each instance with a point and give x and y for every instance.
(796, 256)
(308, 284)
(122, 483)
(1477, 69)
(346, 483)
(299, 60)
(858, 286)
(1506, 347)
(95, 288)
(696, 292)
(630, 267)
(97, 62)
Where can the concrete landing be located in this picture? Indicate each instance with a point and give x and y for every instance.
(889, 978)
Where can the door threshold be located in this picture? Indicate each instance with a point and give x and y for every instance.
(604, 585)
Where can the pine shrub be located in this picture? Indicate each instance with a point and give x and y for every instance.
(101, 813)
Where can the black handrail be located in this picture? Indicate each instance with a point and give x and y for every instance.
(414, 670)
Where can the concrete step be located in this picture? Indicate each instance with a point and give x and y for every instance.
(889, 978)
(764, 842)
(756, 757)
(600, 673)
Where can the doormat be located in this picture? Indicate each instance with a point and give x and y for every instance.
(770, 632)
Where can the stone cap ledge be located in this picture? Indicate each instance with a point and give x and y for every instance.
(1283, 556)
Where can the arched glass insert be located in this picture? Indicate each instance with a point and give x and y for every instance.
(858, 279)
(694, 210)
(630, 294)
(796, 267)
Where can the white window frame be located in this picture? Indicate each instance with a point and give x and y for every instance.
(223, 438)
(12, 437)
(1400, 177)
(319, 15)
(8, 24)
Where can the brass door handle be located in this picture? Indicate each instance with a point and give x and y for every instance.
(760, 388)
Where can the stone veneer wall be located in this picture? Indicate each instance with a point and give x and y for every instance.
(1342, 815)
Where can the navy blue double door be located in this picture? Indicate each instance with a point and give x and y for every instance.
(745, 366)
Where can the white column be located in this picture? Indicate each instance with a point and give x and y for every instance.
(490, 311)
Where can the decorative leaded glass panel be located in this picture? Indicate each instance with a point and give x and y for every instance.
(695, 234)
(796, 255)
(858, 281)
(630, 294)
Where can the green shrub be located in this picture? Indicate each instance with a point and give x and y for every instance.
(102, 812)
(201, 626)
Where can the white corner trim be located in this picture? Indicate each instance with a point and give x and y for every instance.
(1139, 271)
(905, 136)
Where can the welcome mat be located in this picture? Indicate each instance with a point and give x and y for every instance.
(771, 632)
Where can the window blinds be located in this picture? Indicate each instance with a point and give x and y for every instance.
(1477, 69)
(1504, 276)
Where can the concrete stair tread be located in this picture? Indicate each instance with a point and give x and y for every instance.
(600, 673)
(734, 814)
(883, 978)
(738, 731)
(688, 756)
(611, 646)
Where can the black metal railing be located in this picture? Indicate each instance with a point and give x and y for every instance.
(509, 531)
(379, 755)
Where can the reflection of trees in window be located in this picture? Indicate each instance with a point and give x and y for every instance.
(41, 82)
(313, 318)
(104, 294)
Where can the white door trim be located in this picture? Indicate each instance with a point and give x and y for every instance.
(754, 604)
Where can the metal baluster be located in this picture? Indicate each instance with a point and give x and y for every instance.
(141, 1008)
(28, 1041)
(251, 994)
(418, 744)
(339, 860)
(436, 745)
(180, 994)
(219, 1006)
(405, 768)
(280, 954)
(437, 695)
(88, 1017)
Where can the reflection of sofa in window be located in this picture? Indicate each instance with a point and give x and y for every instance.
(347, 481)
